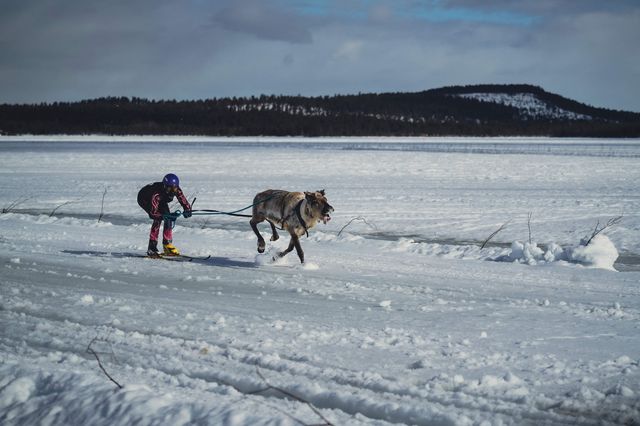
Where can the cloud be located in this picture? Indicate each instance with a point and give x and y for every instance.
(380, 13)
(349, 50)
(75, 49)
(436, 13)
(262, 20)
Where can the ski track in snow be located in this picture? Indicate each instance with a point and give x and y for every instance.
(370, 331)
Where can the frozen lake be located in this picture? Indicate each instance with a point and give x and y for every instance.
(452, 190)
(398, 316)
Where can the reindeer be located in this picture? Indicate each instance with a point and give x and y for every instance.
(295, 212)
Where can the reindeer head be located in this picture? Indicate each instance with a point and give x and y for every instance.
(318, 206)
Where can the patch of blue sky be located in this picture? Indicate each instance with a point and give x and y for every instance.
(440, 14)
(426, 10)
(355, 10)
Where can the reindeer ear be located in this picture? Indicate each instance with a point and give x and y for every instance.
(321, 192)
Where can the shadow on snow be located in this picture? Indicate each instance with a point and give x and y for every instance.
(224, 262)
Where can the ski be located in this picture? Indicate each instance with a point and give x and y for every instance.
(189, 258)
(177, 258)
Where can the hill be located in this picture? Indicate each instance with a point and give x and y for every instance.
(478, 110)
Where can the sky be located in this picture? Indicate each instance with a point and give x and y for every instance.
(67, 50)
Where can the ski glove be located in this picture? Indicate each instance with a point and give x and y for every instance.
(171, 216)
(187, 214)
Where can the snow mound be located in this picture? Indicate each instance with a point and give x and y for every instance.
(17, 391)
(599, 253)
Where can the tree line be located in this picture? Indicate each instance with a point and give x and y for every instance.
(437, 112)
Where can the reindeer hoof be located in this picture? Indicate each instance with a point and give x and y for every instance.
(261, 247)
(275, 237)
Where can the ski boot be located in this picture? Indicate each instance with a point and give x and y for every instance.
(170, 250)
(152, 251)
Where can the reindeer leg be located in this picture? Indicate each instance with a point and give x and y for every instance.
(288, 250)
(254, 225)
(274, 232)
(298, 248)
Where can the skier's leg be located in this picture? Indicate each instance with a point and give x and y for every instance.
(167, 232)
(167, 235)
(153, 237)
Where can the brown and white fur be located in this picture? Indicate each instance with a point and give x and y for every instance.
(285, 209)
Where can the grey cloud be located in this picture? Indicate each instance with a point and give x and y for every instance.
(265, 21)
(65, 50)
(75, 49)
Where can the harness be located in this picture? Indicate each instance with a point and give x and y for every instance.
(302, 222)
(296, 210)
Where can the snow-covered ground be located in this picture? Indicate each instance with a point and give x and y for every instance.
(400, 318)
(529, 105)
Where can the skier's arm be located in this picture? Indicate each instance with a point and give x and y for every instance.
(183, 200)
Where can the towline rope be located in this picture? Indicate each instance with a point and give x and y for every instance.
(210, 212)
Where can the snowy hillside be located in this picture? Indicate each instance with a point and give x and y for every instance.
(398, 316)
(283, 107)
(529, 105)
(478, 110)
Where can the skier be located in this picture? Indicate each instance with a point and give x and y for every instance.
(154, 199)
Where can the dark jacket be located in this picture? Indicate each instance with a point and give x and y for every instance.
(154, 199)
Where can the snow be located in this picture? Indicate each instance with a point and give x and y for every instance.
(599, 253)
(529, 105)
(280, 107)
(399, 319)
